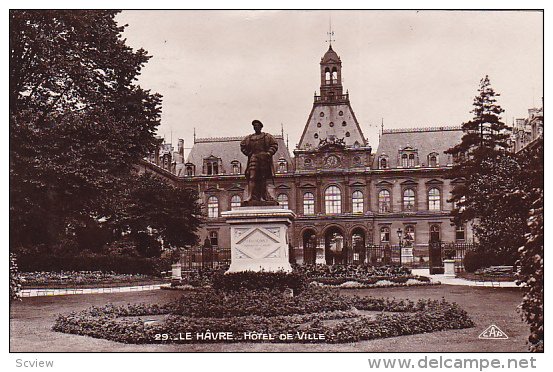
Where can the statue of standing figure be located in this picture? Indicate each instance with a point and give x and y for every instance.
(259, 148)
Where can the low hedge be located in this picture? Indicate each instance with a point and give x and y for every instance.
(403, 317)
(250, 280)
(106, 263)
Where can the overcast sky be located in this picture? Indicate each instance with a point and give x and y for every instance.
(219, 70)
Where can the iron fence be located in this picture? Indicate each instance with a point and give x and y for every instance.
(202, 257)
(417, 256)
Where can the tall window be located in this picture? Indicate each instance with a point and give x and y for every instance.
(235, 202)
(212, 207)
(404, 161)
(384, 234)
(308, 203)
(212, 167)
(189, 170)
(357, 202)
(433, 161)
(214, 238)
(383, 163)
(333, 200)
(434, 199)
(409, 235)
(282, 166)
(408, 200)
(434, 233)
(411, 160)
(334, 75)
(384, 201)
(282, 200)
(327, 75)
(460, 232)
(235, 167)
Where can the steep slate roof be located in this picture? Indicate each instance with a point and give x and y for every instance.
(228, 150)
(425, 140)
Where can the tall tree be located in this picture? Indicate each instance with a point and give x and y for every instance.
(489, 173)
(78, 120)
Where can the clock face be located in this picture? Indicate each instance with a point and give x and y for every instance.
(332, 161)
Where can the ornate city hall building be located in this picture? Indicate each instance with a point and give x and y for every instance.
(345, 195)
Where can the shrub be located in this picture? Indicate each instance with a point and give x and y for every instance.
(90, 262)
(15, 279)
(250, 280)
(474, 260)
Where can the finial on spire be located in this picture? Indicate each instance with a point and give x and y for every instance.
(194, 134)
(330, 33)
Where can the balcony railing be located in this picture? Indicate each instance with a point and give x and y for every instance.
(332, 98)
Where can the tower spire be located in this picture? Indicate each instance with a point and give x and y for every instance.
(330, 33)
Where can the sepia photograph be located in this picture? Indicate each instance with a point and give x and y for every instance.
(291, 181)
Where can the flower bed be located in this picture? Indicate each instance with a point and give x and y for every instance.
(316, 315)
(351, 271)
(40, 279)
(374, 282)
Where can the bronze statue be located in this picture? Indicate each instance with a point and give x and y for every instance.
(259, 148)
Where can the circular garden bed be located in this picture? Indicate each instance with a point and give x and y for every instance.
(314, 315)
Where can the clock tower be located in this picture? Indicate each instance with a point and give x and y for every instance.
(331, 119)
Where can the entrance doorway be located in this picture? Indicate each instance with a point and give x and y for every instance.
(309, 239)
(335, 246)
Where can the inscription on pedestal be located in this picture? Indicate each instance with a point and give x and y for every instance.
(257, 244)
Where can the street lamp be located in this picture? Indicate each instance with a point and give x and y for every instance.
(399, 236)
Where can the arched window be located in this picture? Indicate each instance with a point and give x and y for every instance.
(383, 163)
(409, 237)
(404, 161)
(282, 200)
(357, 202)
(460, 232)
(384, 234)
(212, 207)
(333, 200)
(327, 75)
(434, 199)
(235, 202)
(408, 200)
(308, 203)
(214, 238)
(411, 160)
(334, 75)
(384, 201)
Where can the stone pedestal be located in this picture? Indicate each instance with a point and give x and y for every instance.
(176, 271)
(449, 268)
(259, 238)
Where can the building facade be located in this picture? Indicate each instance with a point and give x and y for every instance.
(345, 195)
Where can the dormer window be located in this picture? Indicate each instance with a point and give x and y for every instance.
(235, 166)
(383, 163)
(408, 157)
(190, 170)
(433, 160)
(211, 166)
(282, 166)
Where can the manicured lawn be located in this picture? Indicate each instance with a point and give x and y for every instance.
(31, 321)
